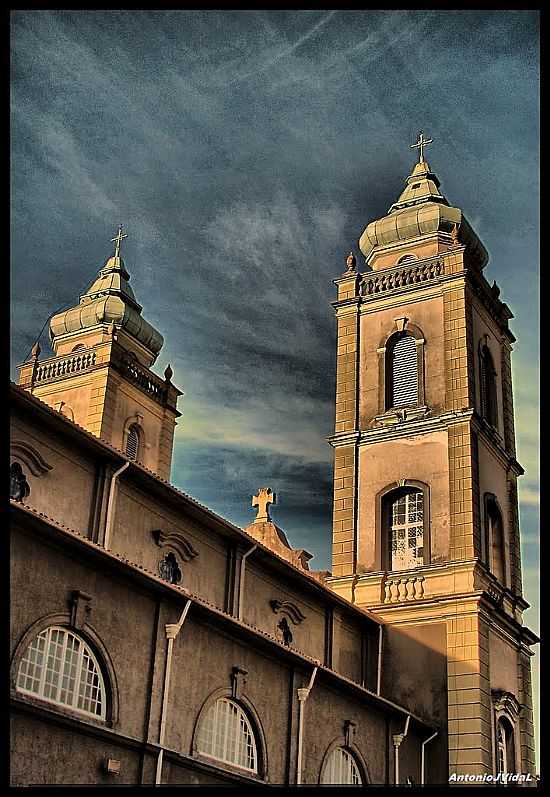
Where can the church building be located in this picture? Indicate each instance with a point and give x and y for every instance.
(154, 642)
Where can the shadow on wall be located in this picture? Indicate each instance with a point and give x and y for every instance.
(414, 674)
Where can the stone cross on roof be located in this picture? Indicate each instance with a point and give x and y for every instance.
(265, 497)
(118, 240)
(420, 144)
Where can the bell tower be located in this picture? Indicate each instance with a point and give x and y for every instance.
(426, 523)
(100, 375)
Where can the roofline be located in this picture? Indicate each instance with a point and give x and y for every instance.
(198, 510)
(43, 523)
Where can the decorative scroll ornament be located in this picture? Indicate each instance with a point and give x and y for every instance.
(81, 608)
(30, 456)
(175, 540)
(288, 608)
(19, 486)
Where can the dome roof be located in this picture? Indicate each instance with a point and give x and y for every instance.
(421, 209)
(109, 299)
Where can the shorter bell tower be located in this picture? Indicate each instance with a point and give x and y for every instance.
(100, 375)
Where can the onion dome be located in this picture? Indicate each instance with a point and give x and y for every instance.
(421, 210)
(109, 301)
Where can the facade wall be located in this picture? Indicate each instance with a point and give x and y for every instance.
(129, 620)
(421, 457)
(72, 475)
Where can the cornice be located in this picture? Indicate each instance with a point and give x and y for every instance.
(412, 427)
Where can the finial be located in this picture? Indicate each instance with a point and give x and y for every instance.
(168, 373)
(351, 262)
(35, 351)
(265, 497)
(420, 144)
(118, 240)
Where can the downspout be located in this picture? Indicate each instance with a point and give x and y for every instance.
(303, 695)
(172, 630)
(241, 581)
(397, 739)
(425, 742)
(379, 672)
(110, 505)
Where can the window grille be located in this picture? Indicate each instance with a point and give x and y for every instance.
(132, 443)
(226, 735)
(403, 372)
(407, 531)
(60, 668)
(341, 768)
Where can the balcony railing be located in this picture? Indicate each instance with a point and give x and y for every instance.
(61, 366)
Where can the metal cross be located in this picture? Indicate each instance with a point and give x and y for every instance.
(420, 144)
(118, 240)
(265, 497)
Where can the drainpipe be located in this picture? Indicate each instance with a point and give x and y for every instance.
(172, 630)
(425, 742)
(241, 581)
(397, 739)
(379, 673)
(303, 695)
(110, 505)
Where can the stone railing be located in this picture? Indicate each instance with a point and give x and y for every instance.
(144, 379)
(403, 588)
(61, 366)
(372, 284)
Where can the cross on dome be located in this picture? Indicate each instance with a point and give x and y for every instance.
(265, 497)
(117, 240)
(420, 144)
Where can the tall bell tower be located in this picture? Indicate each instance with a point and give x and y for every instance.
(100, 375)
(426, 524)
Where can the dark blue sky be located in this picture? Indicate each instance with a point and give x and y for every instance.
(245, 152)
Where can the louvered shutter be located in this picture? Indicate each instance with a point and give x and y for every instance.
(403, 372)
(132, 443)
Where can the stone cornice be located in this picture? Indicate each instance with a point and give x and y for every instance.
(408, 428)
(343, 438)
(494, 441)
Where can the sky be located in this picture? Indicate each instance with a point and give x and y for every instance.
(245, 152)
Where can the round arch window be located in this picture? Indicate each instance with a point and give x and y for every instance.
(226, 734)
(341, 768)
(59, 667)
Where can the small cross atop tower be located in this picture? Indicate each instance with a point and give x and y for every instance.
(265, 497)
(118, 240)
(420, 144)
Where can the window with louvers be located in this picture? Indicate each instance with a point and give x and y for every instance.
(488, 387)
(341, 769)
(132, 443)
(402, 372)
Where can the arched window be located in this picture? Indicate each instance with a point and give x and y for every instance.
(488, 386)
(506, 754)
(401, 372)
(341, 768)
(410, 258)
(132, 441)
(406, 529)
(59, 667)
(494, 539)
(226, 734)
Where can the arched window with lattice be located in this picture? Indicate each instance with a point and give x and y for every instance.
(226, 734)
(341, 768)
(59, 667)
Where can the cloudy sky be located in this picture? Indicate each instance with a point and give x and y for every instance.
(245, 152)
